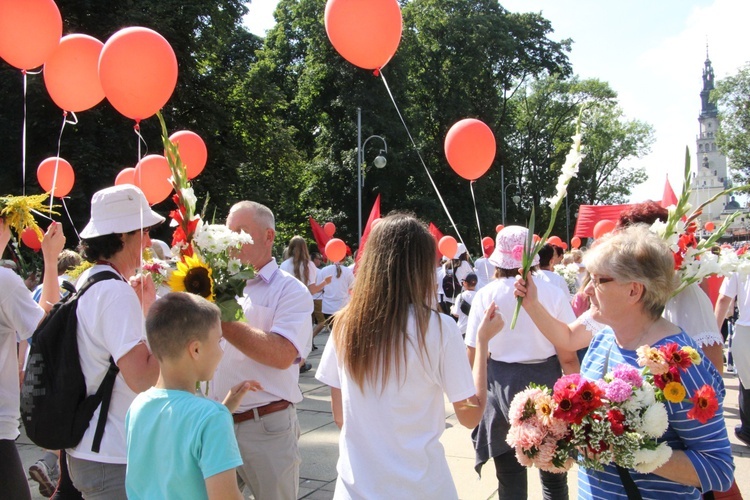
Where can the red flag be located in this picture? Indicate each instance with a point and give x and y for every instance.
(668, 198)
(374, 214)
(435, 232)
(321, 238)
(589, 215)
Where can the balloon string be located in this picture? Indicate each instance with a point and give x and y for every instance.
(137, 129)
(442, 202)
(57, 156)
(476, 213)
(65, 207)
(23, 138)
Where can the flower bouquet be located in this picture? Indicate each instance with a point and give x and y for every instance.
(208, 265)
(693, 257)
(533, 245)
(569, 273)
(617, 419)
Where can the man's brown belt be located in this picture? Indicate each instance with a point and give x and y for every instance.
(261, 411)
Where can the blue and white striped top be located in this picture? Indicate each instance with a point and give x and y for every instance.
(707, 446)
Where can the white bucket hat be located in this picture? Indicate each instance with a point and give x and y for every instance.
(460, 250)
(508, 251)
(119, 209)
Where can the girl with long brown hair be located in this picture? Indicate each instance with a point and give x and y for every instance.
(389, 360)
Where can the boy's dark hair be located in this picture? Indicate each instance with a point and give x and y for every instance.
(101, 247)
(177, 319)
(545, 255)
(471, 279)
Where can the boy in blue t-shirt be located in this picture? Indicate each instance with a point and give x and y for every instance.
(181, 445)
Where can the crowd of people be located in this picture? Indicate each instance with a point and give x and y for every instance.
(407, 332)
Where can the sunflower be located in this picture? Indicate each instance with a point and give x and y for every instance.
(193, 276)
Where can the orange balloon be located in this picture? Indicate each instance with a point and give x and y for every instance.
(329, 228)
(138, 71)
(29, 31)
(152, 175)
(126, 176)
(31, 239)
(365, 32)
(537, 238)
(710, 226)
(448, 246)
(564, 245)
(193, 152)
(575, 242)
(470, 148)
(335, 250)
(555, 240)
(487, 242)
(603, 227)
(499, 228)
(71, 73)
(45, 174)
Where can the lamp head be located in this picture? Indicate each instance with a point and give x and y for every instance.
(379, 161)
(516, 199)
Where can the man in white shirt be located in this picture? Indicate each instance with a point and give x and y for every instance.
(267, 348)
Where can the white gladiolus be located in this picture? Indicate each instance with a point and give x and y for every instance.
(188, 197)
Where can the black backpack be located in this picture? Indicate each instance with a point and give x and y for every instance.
(55, 409)
(451, 286)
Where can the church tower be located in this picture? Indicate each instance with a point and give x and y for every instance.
(710, 174)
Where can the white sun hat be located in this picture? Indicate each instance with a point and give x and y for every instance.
(119, 209)
(509, 248)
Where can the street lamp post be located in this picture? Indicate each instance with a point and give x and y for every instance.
(379, 162)
(503, 207)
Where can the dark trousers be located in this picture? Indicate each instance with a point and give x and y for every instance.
(512, 481)
(744, 404)
(13, 483)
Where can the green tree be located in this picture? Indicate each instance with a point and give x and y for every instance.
(732, 94)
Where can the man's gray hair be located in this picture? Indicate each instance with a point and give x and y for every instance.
(261, 212)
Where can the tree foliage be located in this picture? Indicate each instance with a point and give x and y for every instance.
(733, 138)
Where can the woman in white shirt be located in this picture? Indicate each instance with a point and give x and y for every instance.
(389, 360)
(336, 295)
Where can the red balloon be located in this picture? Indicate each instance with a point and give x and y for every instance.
(448, 246)
(45, 174)
(488, 242)
(603, 227)
(138, 71)
(329, 228)
(575, 242)
(564, 245)
(126, 176)
(537, 238)
(71, 73)
(31, 239)
(193, 152)
(470, 148)
(710, 226)
(335, 250)
(365, 32)
(152, 176)
(555, 240)
(499, 228)
(29, 31)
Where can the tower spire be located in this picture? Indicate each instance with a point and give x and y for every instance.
(708, 108)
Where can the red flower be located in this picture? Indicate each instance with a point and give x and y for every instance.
(590, 395)
(616, 421)
(569, 407)
(676, 356)
(673, 375)
(678, 258)
(705, 404)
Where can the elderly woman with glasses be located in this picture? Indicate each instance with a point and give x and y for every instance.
(632, 277)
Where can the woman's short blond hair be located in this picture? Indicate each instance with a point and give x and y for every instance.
(638, 255)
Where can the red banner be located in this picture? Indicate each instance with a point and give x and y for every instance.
(589, 215)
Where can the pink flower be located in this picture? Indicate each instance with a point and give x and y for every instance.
(618, 391)
(653, 359)
(529, 435)
(522, 458)
(629, 374)
(517, 252)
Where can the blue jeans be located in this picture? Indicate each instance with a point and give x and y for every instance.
(96, 480)
(512, 481)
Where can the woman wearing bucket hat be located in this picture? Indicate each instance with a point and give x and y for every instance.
(111, 326)
(517, 358)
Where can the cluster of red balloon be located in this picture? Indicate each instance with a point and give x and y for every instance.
(710, 226)
(56, 166)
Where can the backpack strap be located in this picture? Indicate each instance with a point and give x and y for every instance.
(108, 383)
(105, 392)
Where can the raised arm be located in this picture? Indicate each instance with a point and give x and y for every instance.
(267, 348)
(52, 245)
(564, 336)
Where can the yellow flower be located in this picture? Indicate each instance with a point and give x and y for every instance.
(695, 356)
(193, 276)
(674, 392)
(18, 211)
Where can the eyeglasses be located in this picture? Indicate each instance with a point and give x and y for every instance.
(597, 282)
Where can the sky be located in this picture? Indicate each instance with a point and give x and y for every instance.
(650, 52)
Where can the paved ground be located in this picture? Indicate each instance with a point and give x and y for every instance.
(319, 447)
